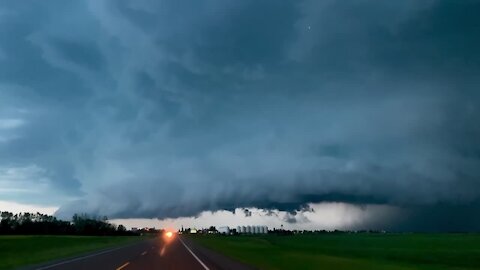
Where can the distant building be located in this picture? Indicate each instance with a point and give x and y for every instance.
(223, 230)
(252, 229)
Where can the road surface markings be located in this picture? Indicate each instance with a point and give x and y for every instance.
(162, 251)
(193, 254)
(79, 258)
(144, 253)
(123, 266)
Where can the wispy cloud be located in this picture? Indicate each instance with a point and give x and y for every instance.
(11, 123)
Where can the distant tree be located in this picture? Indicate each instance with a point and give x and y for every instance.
(37, 223)
(6, 224)
(121, 228)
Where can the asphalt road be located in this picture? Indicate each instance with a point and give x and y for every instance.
(159, 253)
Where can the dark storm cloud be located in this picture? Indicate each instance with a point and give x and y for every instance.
(169, 108)
(247, 213)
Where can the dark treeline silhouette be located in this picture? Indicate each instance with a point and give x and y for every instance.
(29, 223)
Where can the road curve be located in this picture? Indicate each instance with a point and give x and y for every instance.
(160, 253)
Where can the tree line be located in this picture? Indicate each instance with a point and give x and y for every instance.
(37, 223)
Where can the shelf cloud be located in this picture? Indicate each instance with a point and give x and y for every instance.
(166, 109)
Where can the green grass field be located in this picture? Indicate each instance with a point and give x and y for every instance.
(16, 251)
(351, 251)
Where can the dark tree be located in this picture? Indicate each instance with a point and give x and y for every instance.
(29, 223)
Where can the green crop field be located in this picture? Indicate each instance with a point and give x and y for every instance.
(18, 251)
(351, 251)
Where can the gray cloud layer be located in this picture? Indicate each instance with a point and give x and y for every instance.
(168, 108)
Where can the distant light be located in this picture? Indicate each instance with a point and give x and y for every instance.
(169, 234)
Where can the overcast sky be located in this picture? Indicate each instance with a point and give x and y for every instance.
(166, 109)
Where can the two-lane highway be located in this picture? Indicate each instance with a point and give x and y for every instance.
(175, 252)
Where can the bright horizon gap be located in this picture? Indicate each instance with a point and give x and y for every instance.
(328, 216)
(16, 207)
(324, 216)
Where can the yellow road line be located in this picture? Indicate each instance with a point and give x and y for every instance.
(123, 266)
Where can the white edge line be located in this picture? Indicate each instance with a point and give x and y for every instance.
(80, 258)
(193, 254)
